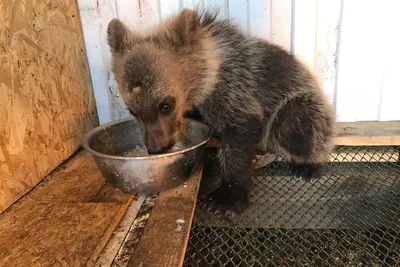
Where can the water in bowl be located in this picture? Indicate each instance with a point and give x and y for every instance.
(136, 152)
(182, 143)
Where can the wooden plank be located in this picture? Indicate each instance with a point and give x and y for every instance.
(359, 134)
(112, 226)
(357, 80)
(305, 25)
(95, 15)
(164, 240)
(128, 12)
(259, 18)
(149, 13)
(72, 214)
(281, 23)
(326, 45)
(390, 92)
(238, 13)
(135, 231)
(120, 234)
(16, 221)
(71, 182)
(368, 141)
(109, 193)
(95, 18)
(139, 15)
(46, 99)
(65, 236)
(368, 129)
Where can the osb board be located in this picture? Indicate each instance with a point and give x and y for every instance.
(78, 180)
(64, 221)
(165, 237)
(46, 99)
(66, 236)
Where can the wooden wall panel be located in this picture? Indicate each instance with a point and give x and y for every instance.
(304, 31)
(361, 61)
(93, 14)
(281, 23)
(350, 45)
(46, 99)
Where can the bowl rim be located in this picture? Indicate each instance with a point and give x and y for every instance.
(89, 134)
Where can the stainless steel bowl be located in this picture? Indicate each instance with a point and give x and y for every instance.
(149, 173)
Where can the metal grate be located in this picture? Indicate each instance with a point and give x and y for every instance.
(349, 217)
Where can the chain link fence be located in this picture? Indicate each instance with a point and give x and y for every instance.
(349, 217)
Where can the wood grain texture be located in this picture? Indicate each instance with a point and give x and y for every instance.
(109, 231)
(78, 180)
(115, 244)
(67, 235)
(368, 133)
(65, 221)
(164, 240)
(368, 128)
(46, 99)
(327, 44)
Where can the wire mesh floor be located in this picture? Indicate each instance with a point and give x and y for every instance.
(349, 217)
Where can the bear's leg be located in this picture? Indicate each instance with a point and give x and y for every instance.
(235, 155)
(303, 131)
(307, 171)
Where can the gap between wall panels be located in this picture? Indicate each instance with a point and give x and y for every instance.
(360, 80)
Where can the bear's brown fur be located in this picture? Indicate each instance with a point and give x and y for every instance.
(254, 95)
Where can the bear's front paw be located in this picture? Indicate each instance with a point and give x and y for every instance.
(306, 171)
(229, 200)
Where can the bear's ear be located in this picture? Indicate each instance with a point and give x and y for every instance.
(185, 28)
(117, 36)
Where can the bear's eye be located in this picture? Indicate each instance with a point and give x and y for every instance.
(165, 107)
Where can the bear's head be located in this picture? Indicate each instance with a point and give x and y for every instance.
(161, 74)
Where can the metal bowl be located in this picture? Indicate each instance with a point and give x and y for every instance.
(149, 173)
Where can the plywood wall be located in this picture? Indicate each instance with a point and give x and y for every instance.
(352, 46)
(46, 99)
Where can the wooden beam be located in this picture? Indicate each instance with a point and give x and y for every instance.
(116, 243)
(112, 226)
(359, 134)
(368, 133)
(367, 141)
(164, 240)
(72, 212)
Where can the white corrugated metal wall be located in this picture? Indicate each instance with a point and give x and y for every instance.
(352, 45)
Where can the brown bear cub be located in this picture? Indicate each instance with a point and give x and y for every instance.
(255, 96)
